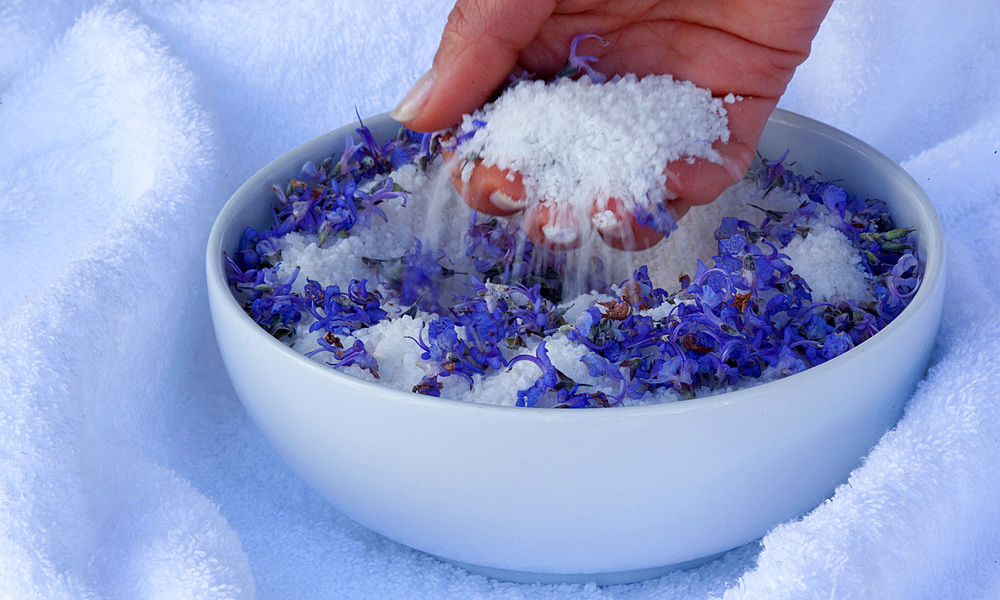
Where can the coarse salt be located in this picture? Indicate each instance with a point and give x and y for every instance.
(827, 260)
(824, 258)
(577, 142)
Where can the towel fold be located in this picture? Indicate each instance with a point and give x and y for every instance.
(128, 468)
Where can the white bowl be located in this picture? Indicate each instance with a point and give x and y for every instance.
(608, 495)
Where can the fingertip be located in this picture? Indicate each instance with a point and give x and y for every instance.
(618, 227)
(479, 48)
(701, 181)
(490, 189)
(410, 106)
(556, 227)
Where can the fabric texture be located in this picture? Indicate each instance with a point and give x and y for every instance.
(128, 468)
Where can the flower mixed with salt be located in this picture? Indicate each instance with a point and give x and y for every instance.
(349, 275)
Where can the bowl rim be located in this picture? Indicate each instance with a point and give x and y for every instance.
(932, 238)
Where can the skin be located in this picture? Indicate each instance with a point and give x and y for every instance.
(750, 48)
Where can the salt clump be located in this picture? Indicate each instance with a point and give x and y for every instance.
(576, 141)
(827, 260)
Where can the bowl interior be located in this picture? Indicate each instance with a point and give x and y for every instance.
(829, 152)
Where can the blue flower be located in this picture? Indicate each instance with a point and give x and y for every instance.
(309, 170)
(342, 313)
(836, 344)
(587, 320)
(355, 355)
(273, 304)
(551, 378)
(429, 386)
(445, 349)
(577, 64)
(502, 252)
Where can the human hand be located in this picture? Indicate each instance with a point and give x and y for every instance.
(749, 48)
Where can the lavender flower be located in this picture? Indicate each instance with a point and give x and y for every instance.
(577, 64)
(656, 216)
(355, 355)
(342, 313)
(415, 278)
(546, 389)
(447, 351)
(271, 302)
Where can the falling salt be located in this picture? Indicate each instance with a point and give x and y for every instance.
(824, 258)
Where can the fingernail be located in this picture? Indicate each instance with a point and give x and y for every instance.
(606, 221)
(673, 185)
(738, 162)
(506, 202)
(734, 168)
(560, 236)
(414, 99)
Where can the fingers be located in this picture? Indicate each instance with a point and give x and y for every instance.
(500, 192)
(487, 189)
(556, 226)
(491, 190)
(479, 48)
(552, 224)
(616, 223)
(700, 181)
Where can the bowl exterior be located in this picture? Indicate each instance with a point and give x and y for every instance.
(609, 494)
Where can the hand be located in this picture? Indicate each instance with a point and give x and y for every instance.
(750, 48)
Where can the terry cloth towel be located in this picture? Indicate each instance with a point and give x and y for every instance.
(128, 468)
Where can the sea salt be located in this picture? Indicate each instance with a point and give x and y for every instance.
(577, 142)
(388, 276)
(824, 257)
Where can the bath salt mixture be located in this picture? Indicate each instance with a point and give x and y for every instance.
(781, 273)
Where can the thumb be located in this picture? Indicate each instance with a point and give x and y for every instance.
(479, 47)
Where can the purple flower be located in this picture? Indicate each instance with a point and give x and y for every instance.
(309, 170)
(836, 344)
(551, 379)
(502, 252)
(577, 64)
(904, 278)
(445, 349)
(342, 313)
(272, 303)
(355, 355)
(429, 386)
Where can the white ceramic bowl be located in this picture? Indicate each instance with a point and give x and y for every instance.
(608, 495)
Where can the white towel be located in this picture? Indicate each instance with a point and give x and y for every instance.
(128, 468)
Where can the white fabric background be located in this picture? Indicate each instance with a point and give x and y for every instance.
(128, 468)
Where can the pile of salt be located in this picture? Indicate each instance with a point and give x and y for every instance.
(577, 142)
